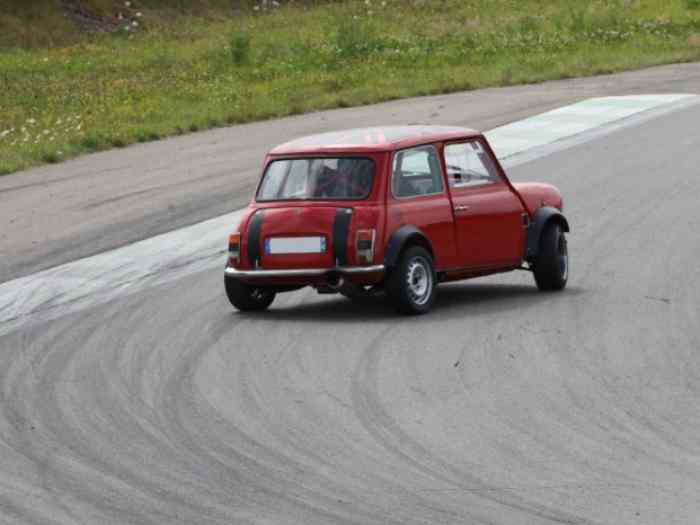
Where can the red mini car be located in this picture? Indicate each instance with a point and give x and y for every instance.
(393, 209)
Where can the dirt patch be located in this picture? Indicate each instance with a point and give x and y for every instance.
(120, 16)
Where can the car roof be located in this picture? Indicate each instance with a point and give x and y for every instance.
(368, 140)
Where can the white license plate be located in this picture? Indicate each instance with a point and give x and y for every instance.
(285, 245)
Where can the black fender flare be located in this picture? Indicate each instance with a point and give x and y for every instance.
(543, 216)
(399, 239)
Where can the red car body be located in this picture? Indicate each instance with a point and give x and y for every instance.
(471, 222)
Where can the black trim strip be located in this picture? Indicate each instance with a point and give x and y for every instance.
(254, 230)
(341, 230)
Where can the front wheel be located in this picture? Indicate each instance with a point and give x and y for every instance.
(551, 267)
(411, 284)
(247, 298)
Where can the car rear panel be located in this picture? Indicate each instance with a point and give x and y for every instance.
(305, 235)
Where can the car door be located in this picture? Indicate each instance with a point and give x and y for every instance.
(489, 223)
(418, 197)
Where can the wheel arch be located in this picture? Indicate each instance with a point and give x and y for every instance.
(543, 217)
(401, 239)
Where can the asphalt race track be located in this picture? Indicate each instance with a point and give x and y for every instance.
(503, 406)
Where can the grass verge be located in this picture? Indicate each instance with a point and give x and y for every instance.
(185, 73)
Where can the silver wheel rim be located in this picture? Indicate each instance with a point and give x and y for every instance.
(419, 279)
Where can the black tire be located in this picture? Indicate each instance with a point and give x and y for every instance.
(247, 298)
(551, 267)
(411, 284)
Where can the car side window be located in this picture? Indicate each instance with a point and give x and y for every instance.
(469, 164)
(416, 172)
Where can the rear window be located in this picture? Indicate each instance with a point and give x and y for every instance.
(340, 178)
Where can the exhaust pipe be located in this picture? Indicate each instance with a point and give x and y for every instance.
(335, 281)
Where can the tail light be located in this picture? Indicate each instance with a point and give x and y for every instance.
(364, 246)
(234, 249)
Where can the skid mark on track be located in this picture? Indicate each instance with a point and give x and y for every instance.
(387, 431)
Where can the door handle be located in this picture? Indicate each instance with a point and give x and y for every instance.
(461, 207)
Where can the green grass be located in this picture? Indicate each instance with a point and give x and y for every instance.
(190, 72)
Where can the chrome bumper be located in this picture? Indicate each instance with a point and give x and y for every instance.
(303, 272)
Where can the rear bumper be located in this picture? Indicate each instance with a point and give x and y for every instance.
(250, 275)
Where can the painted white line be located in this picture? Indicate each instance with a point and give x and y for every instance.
(95, 280)
(570, 121)
(566, 142)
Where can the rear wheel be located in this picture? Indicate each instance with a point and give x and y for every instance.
(411, 284)
(247, 298)
(551, 267)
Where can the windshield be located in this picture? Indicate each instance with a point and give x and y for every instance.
(343, 178)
